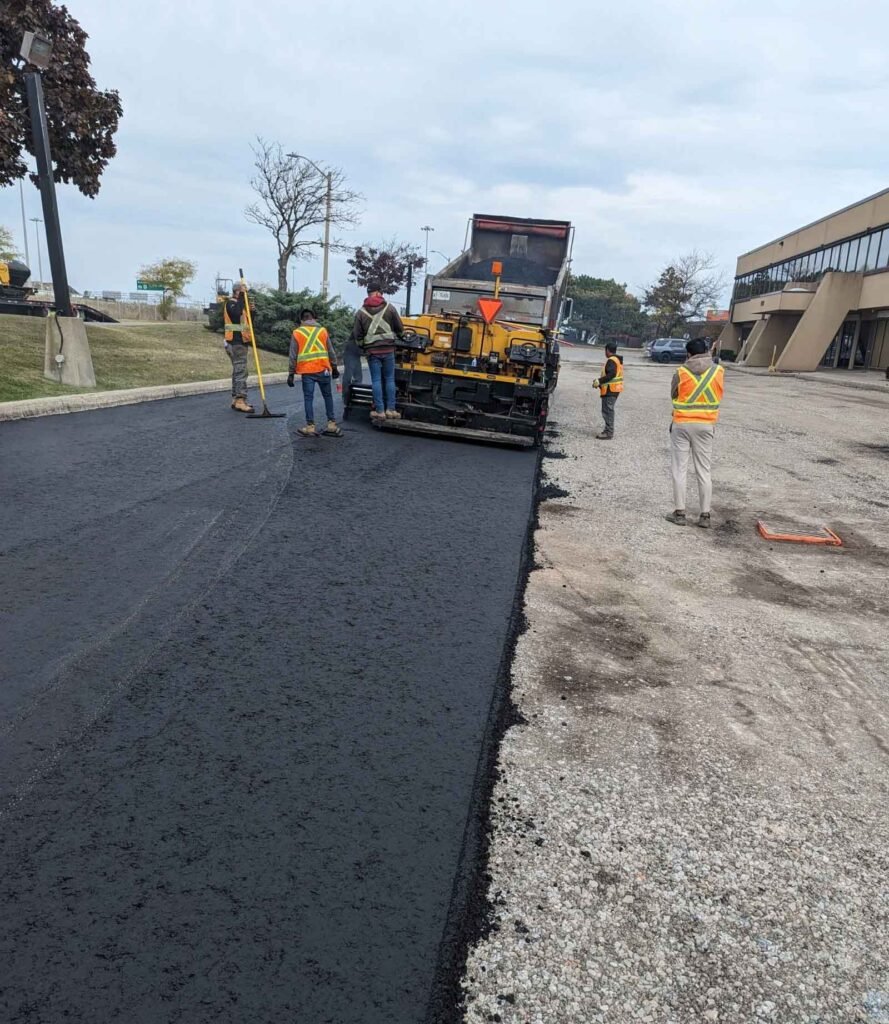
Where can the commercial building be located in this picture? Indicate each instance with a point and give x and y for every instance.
(818, 296)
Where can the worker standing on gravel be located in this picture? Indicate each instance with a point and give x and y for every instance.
(237, 338)
(312, 356)
(610, 384)
(377, 325)
(697, 391)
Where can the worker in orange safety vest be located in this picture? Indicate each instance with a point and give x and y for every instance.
(697, 389)
(237, 338)
(610, 384)
(313, 358)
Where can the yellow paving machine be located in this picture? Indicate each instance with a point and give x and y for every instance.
(482, 359)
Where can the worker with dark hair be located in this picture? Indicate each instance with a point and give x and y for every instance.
(237, 338)
(696, 390)
(312, 356)
(376, 327)
(610, 384)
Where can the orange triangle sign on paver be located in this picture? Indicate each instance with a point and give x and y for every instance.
(489, 308)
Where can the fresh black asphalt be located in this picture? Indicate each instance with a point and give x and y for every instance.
(244, 686)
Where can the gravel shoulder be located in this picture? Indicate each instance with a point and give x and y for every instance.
(690, 824)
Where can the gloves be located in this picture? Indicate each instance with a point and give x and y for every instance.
(290, 383)
(335, 371)
(596, 383)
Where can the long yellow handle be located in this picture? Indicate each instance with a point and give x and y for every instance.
(253, 340)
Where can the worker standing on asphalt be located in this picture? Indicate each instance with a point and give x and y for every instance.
(312, 356)
(697, 391)
(610, 384)
(377, 325)
(237, 338)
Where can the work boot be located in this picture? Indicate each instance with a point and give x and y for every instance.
(391, 414)
(704, 521)
(240, 405)
(677, 517)
(604, 436)
(333, 429)
(377, 416)
(308, 430)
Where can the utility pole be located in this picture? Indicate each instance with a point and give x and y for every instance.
(328, 176)
(36, 221)
(410, 282)
(24, 223)
(427, 229)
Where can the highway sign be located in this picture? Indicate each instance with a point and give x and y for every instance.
(147, 286)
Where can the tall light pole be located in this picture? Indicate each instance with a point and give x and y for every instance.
(36, 221)
(427, 229)
(328, 175)
(24, 223)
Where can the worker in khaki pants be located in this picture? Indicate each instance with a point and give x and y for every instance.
(697, 391)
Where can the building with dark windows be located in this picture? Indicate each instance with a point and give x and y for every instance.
(818, 296)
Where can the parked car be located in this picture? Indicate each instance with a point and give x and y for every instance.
(668, 350)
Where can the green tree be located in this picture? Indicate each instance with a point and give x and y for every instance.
(7, 246)
(387, 263)
(82, 118)
(275, 314)
(605, 309)
(173, 275)
(685, 290)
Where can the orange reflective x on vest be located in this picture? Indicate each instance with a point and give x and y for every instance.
(238, 333)
(698, 398)
(616, 384)
(311, 346)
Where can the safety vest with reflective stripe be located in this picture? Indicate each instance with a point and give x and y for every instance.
(698, 397)
(616, 384)
(311, 346)
(239, 332)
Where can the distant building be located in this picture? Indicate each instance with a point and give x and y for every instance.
(818, 296)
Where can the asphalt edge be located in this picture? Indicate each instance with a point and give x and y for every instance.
(57, 405)
(470, 916)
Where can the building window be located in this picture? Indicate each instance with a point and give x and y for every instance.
(862, 253)
(843, 258)
(876, 240)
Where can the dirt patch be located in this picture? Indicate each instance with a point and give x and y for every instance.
(868, 448)
(766, 585)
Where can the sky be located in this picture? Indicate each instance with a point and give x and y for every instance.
(654, 126)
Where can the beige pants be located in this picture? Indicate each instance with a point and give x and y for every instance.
(696, 438)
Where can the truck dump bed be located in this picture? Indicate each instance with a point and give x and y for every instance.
(534, 255)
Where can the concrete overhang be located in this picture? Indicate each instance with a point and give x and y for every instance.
(794, 300)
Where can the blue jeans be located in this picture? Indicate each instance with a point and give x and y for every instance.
(382, 375)
(323, 381)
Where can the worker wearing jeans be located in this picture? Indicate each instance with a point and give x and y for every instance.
(312, 356)
(697, 391)
(376, 329)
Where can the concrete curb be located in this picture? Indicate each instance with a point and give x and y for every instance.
(59, 404)
(813, 377)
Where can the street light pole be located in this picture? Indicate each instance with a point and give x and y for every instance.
(24, 223)
(427, 229)
(36, 221)
(37, 108)
(328, 175)
(325, 272)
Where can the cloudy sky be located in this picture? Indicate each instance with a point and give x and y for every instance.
(656, 126)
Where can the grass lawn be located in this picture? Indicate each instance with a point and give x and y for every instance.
(124, 356)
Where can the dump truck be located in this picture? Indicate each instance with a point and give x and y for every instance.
(482, 359)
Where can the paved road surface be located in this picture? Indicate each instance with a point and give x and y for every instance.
(244, 686)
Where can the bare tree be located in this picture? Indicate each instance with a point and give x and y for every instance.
(293, 199)
(685, 290)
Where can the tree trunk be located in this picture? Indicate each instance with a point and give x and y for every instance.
(282, 273)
